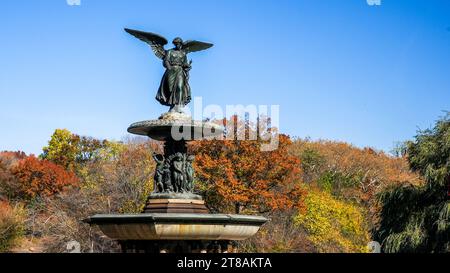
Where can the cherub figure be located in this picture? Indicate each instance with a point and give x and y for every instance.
(178, 172)
(190, 173)
(159, 173)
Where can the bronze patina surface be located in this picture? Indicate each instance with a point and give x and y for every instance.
(174, 89)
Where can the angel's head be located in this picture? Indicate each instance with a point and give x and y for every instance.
(178, 43)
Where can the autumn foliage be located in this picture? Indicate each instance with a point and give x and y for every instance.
(71, 150)
(238, 175)
(319, 196)
(8, 182)
(41, 178)
(349, 172)
(12, 226)
(333, 225)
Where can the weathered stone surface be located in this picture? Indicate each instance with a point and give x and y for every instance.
(175, 116)
(173, 195)
(175, 206)
(166, 129)
(178, 226)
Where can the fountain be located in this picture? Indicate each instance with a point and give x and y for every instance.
(175, 219)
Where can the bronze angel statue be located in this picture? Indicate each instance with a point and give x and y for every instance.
(174, 90)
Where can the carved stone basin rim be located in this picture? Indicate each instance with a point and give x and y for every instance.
(162, 129)
(177, 226)
(176, 218)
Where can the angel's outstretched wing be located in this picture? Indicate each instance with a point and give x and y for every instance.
(193, 46)
(156, 41)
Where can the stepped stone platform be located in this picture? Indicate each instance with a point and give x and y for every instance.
(175, 206)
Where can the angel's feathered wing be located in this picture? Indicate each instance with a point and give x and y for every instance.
(193, 46)
(157, 42)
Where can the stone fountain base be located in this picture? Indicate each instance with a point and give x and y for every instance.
(177, 232)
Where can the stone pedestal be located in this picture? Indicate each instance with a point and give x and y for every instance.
(175, 203)
(175, 206)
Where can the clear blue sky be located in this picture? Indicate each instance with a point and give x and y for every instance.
(339, 69)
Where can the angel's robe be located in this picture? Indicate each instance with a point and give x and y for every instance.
(174, 88)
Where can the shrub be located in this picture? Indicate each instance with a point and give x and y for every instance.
(11, 225)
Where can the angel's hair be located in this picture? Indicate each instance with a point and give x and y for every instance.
(177, 40)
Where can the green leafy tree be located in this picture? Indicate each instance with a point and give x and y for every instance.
(417, 218)
(62, 149)
(73, 152)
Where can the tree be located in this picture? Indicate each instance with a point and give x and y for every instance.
(8, 182)
(349, 172)
(63, 149)
(237, 175)
(417, 218)
(41, 178)
(333, 225)
(73, 151)
(118, 181)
